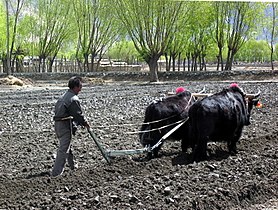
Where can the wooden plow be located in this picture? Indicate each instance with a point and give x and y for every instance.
(107, 154)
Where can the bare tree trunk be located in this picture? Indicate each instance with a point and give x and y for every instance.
(86, 62)
(179, 60)
(8, 57)
(153, 72)
(188, 62)
(40, 62)
(229, 61)
(218, 63)
(271, 58)
(272, 35)
(79, 65)
(50, 66)
(194, 63)
(204, 65)
(44, 65)
(200, 63)
(152, 62)
(221, 59)
(168, 62)
(173, 62)
(92, 65)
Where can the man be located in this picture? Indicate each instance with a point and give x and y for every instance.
(68, 115)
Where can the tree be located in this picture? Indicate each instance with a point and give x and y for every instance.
(13, 10)
(7, 60)
(96, 29)
(2, 33)
(181, 39)
(274, 31)
(275, 52)
(27, 38)
(200, 36)
(123, 51)
(241, 20)
(220, 15)
(253, 51)
(50, 29)
(151, 25)
(270, 24)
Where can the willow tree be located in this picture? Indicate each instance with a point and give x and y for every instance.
(220, 15)
(181, 38)
(13, 10)
(199, 30)
(254, 51)
(241, 21)
(2, 33)
(124, 51)
(96, 28)
(151, 25)
(51, 29)
(270, 25)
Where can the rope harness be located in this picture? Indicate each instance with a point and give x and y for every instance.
(152, 122)
(163, 138)
(155, 129)
(166, 126)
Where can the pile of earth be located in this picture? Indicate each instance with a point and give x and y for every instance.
(28, 146)
(12, 80)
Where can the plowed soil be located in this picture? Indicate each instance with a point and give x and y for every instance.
(28, 146)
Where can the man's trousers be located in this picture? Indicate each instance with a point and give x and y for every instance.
(64, 153)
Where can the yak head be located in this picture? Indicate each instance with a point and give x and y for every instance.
(249, 100)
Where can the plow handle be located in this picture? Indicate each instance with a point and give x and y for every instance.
(104, 154)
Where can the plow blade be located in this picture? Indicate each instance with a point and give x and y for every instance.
(114, 153)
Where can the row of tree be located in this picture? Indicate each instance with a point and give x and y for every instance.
(88, 30)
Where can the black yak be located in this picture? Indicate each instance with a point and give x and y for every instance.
(219, 117)
(163, 115)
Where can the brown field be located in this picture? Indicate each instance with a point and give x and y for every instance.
(28, 144)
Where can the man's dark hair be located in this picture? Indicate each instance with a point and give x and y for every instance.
(74, 82)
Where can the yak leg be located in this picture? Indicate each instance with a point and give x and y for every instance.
(184, 145)
(232, 142)
(200, 152)
(232, 147)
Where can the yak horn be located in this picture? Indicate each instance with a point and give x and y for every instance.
(202, 91)
(198, 95)
(251, 96)
(170, 93)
